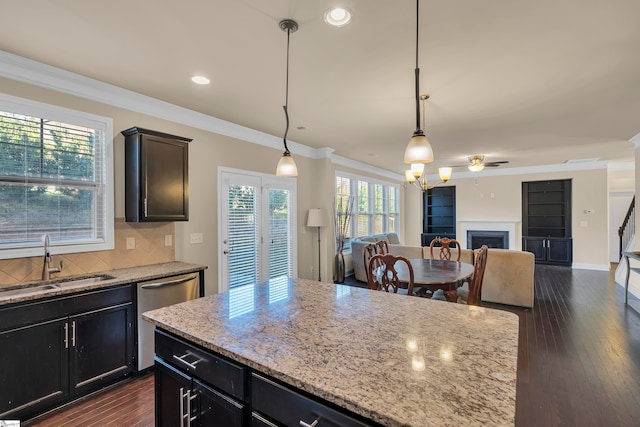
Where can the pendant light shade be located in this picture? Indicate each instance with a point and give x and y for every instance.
(286, 165)
(418, 150)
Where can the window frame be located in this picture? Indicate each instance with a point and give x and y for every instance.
(102, 124)
(354, 184)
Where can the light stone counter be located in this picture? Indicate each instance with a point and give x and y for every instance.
(116, 277)
(394, 359)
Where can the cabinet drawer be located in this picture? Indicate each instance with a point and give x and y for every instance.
(214, 370)
(36, 311)
(290, 408)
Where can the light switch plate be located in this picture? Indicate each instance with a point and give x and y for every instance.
(131, 242)
(196, 238)
(168, 240)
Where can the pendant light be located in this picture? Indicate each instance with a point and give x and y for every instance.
(286, 165)
(419, 149)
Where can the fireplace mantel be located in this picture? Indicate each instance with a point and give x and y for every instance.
(512, 227)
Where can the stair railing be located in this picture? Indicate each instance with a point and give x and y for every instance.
(628, 228)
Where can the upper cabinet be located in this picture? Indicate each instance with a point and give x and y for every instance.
(156, 176)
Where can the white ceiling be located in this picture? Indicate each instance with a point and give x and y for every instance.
(534, 83)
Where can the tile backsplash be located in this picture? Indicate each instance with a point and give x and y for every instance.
(149, 249)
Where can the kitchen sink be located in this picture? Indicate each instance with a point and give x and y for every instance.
(27, 290)
(62, 283)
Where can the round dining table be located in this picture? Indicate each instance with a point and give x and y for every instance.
(432, 274)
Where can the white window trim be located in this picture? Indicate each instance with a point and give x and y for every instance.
(103, 124)
(353, 185)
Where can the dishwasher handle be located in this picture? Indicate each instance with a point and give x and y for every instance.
(169, 283)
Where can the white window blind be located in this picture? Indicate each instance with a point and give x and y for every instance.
(244, 265)
(279, 234)
(53, 180)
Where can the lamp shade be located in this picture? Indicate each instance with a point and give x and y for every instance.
(445, 173)
(315, 218)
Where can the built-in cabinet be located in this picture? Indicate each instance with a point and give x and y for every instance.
(156, 176)
(439, 214)
(198, 387)
(546, 221)
(58, 349)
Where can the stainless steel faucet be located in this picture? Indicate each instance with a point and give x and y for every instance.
(46, 267)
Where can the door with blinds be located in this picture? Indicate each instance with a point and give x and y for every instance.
(257, 226)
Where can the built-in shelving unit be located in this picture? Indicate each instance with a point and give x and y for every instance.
(439, 214)
(546, 221)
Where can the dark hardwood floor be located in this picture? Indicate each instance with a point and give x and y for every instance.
(578, 362)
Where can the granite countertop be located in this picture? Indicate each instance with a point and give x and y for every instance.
(66, 285)
(394, 359)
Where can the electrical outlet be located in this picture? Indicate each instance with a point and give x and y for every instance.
(196, 238)
(168, 240)
(131, 242)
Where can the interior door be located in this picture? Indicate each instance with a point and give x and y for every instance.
(257, 229)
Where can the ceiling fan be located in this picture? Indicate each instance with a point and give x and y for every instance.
(477, 163)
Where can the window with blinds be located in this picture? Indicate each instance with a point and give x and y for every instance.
(376, 207)
(55, 179)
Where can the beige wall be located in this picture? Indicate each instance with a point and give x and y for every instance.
(315, 184)
(500, 198)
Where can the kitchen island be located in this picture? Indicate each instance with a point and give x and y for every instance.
(385, 359)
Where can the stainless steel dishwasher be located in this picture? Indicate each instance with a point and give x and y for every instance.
(157, 294)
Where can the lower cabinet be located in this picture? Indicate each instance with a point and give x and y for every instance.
(182, 400)
(197, 387)
(60, 348)
(549, 250)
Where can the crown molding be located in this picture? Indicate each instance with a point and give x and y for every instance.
(25, 70)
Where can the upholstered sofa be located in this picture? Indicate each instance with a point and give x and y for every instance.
(508, 277)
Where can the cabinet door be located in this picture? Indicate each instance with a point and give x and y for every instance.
(35, 367)
(164, 181)
(216, 409)
(537, 245)
(559, 251)
(172, 387)
(101, 346)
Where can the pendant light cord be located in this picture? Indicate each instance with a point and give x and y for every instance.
(286, 96)
(418, 129)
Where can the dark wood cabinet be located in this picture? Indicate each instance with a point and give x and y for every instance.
(35, 367)
(210, 390)
(546, 221)
(156, 176)
(59, 348)
(439, 214)
(103, 345)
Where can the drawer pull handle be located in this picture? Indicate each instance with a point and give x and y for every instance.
(182, 413)
(191, 365)
(313, 424)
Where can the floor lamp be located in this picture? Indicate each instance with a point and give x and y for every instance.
(316, 219)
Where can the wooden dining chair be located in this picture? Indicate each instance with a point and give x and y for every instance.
(474, 296)
(383, 276)
(445, 248)
(367, 253)
(382, 247)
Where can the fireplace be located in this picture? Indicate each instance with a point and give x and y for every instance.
(493, 239)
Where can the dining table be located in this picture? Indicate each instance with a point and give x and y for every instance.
(434, 274)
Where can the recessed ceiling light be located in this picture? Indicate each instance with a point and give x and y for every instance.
(201, 80)
(338, 16)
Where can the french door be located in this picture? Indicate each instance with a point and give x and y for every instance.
(257, 228)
